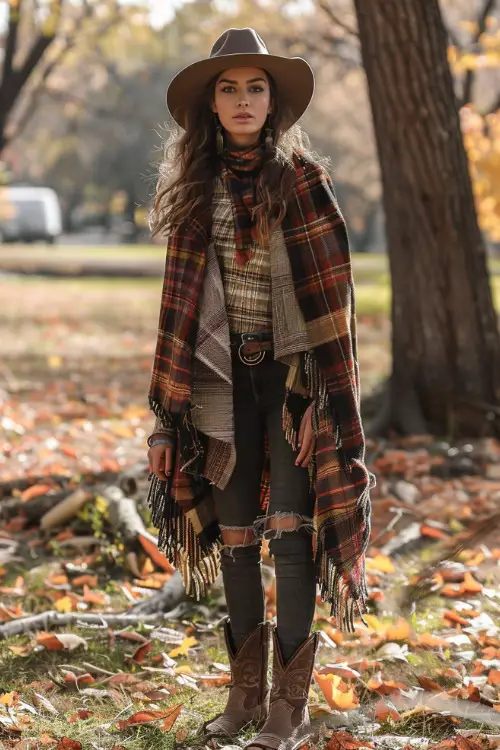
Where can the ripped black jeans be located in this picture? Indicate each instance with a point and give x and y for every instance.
(258, 400)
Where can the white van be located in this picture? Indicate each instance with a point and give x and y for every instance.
(29, 214)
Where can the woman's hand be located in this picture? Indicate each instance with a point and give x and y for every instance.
(160, 460)
(307, 441)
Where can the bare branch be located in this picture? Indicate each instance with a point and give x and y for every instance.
(41, 88)
(326, 8)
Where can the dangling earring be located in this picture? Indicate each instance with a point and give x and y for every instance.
(219, 138)
(268, 140)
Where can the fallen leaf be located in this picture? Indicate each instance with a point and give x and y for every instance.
(429, 684)
(338, 694)
(68, 744)
(35, 491)
(143, 717)
(61, 641)
(470, 585)
(384, 712)
(433, 641)
(345, 741)
(214, 680)
(380, 563)
(170, 720)
(142, 652)
(401, 631)
(65, 604)
(183, 649)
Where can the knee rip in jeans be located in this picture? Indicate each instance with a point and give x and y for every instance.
(282, 522)
(235, 537)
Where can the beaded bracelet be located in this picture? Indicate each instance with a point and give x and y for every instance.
(160, 442)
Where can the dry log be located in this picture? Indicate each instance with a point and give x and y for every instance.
(66, 510)
(33, 509)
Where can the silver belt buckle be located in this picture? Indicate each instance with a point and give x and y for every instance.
(249, 359)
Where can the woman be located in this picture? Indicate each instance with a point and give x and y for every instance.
(255, 379)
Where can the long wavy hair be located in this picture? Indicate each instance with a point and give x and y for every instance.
(190, 164)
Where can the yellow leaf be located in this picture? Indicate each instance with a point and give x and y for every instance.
(380, 563)
(54, 361)
(183, 649)
(64, 605)
(374, 623)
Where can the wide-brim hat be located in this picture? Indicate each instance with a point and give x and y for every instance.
(242, 48)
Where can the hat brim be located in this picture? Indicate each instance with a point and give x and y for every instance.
(293, 77)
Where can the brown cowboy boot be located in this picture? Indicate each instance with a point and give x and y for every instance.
(249, 690)
(288, 724)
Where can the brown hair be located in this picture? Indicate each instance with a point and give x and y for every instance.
(190, 164)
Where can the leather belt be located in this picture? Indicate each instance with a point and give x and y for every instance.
(252, 347)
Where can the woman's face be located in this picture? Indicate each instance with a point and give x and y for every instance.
(242, 99)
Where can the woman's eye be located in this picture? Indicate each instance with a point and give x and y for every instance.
(257, 89)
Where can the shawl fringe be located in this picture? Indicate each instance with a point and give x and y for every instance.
(342, 585)
(198, 566)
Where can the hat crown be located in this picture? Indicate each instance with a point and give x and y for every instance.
(237, 42)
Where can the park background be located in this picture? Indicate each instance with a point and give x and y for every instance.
(407, 108)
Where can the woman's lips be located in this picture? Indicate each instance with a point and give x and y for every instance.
(243, 117)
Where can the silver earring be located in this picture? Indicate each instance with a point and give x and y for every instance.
(219, 138)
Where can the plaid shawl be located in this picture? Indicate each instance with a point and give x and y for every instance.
(182, 509)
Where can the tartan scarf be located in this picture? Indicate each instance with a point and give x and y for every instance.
(182, 509)
(243, 166)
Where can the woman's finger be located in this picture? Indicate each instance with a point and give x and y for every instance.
(306, 444)
(159, 465)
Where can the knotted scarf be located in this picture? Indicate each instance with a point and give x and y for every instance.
(242, 168)
(318, 251)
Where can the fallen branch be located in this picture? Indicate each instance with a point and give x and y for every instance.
(51, 619)
(424, 584)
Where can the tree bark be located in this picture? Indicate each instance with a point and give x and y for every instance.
(445, 341)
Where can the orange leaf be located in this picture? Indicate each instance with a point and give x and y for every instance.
(82, 714)
(427, 639)
(214, 680)
(122, 679)
(429, 684)
(384, 712)
(384, 687)
(154, 553)
(143, 717)
(171, 719)
(470, 585)
(142, 651)
(398, 632)
(494, 677)
(450, 591)
(345, 741)
(93, 597)
(337, 693)
(432, 532)
(35, 491)
(68, 744)
(453, 616)
(85, 579)
(46, 739)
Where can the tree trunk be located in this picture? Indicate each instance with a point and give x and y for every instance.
(446, 346)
